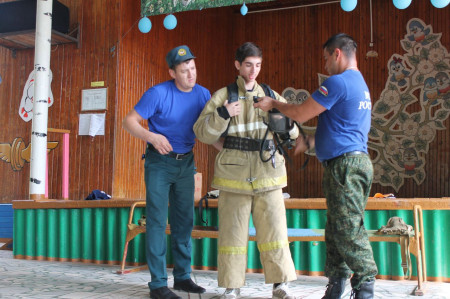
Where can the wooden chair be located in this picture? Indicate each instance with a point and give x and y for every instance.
(132, 231)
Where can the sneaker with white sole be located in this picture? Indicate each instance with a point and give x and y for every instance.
(282, 292)
(231, 294)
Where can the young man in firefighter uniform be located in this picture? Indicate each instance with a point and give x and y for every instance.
(247, 184)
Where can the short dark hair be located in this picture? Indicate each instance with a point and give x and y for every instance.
(248, 49)
(175, 66)
(341, 41)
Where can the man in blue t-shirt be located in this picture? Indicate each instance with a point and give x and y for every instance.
(343, 105)
(171, 109)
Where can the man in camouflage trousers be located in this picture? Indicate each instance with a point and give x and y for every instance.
(346, 184)
(343, 105)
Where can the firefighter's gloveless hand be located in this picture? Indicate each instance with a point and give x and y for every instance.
(233, 108)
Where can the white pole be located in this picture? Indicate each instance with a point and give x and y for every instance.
(41, 92)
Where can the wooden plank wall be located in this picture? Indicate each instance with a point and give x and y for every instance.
(113, 50)
(292, 42)
(142, 64)
(73, 70)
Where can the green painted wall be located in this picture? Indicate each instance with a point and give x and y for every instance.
(98, 235)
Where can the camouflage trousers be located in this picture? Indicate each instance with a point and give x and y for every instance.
(346, 185)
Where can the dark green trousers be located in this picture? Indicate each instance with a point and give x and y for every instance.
(346, 185)
(169, 181)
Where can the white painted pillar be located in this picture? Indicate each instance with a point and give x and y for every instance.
(41, 92)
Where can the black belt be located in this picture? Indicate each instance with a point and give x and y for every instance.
(348, 154)
(170, 154)
(246, 144)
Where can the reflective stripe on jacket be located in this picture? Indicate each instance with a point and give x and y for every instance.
(237, 170)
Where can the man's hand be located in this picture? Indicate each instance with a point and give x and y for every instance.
(218, 145)
(161, 143)
(233, 108)
(264, 103)
(132, 123)
(301, 145)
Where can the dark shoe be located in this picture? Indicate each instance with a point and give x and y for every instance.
(365, 291)
(335, 288)
(188, 286)
(163, 293)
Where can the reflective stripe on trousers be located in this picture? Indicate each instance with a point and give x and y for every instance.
(269, 218)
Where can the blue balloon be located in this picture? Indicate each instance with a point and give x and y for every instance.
(170, 22)
(244, 9)
(145, 25)
(440, 3)
(401, 4)
(348, 5)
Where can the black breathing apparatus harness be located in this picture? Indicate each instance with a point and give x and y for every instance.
(277, 123)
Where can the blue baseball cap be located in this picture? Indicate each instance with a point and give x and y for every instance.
(178, 55)
(98, 194)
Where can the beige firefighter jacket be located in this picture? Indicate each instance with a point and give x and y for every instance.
(236, 170)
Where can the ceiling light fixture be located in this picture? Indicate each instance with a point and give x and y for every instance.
(371, 53)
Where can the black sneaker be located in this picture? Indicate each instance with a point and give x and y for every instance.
(188, 286)
(163, 293)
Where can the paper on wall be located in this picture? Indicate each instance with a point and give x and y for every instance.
(92, 124)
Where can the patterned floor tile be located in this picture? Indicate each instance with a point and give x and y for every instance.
(23, 279)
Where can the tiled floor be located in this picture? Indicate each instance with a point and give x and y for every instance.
(42, 279)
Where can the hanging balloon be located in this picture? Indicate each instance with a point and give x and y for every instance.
(348, 5)
(440, 3)
(244, 9)
(170, 22)
(145, 25)
(401, 4)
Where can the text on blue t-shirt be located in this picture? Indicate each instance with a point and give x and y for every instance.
(345, 125)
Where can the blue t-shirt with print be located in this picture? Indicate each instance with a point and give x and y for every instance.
(172, 112)
(345, 125)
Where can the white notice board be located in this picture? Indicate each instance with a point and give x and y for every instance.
(93, 99)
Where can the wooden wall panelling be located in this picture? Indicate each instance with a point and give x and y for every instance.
(93, 166)
(132, 78)
(387, 33)
(14, 72)
(291, 41)
(142, 64)
(73, 69)
(90, 165)
(320, 23)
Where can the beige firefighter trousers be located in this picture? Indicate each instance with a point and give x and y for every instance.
(269, 219)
